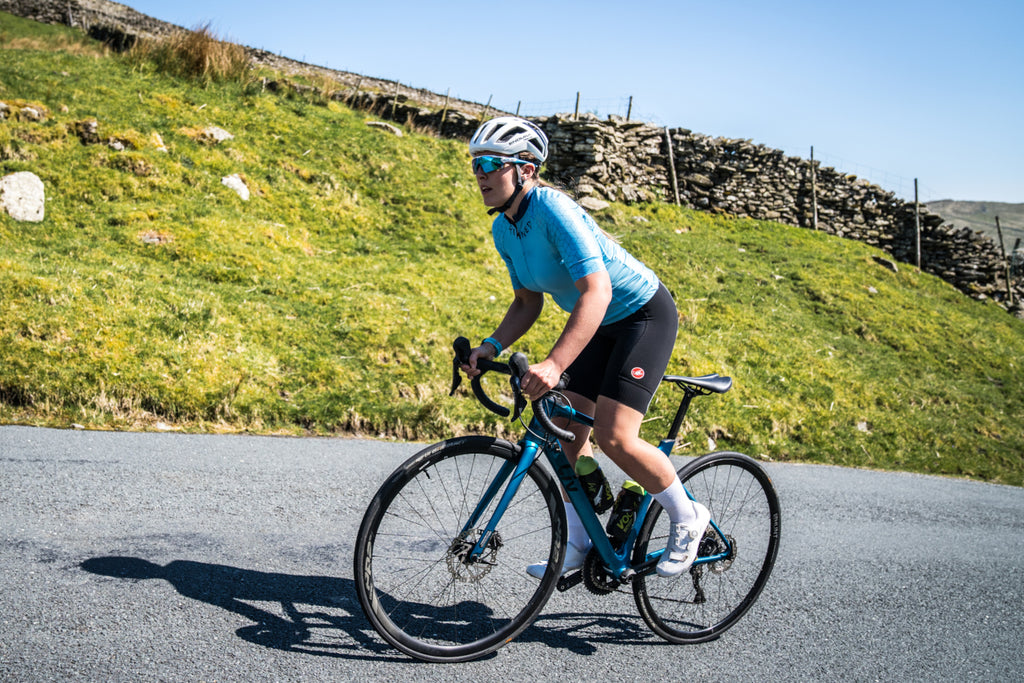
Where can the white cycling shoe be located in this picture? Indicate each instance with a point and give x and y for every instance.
(574, 557)
(683, 541)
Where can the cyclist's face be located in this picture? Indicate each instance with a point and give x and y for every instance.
(497, 186)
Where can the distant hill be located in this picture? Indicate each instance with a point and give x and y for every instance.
(981, 216)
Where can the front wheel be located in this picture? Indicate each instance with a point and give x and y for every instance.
(416, 579)
(702, 603)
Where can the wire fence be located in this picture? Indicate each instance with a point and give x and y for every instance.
(603, 107)
(902, 186)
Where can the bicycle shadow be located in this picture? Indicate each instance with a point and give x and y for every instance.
(328, 604)
(330, 621)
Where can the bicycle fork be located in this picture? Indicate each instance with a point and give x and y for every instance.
(512, 473)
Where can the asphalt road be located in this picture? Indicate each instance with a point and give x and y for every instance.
(169, 557)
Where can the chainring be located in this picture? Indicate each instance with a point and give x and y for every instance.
(595, 577)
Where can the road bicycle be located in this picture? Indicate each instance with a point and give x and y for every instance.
(441, 555)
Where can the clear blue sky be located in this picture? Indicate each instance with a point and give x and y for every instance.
(889, 91)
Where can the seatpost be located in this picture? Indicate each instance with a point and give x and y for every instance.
(677, 422)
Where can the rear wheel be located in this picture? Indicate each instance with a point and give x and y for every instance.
(414, 577)
(705, 601)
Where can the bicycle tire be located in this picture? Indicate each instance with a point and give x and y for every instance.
(704, 602)
(411, 583)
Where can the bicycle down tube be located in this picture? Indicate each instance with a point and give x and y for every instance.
(616, 562)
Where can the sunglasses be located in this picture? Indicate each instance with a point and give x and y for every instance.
(489, 164)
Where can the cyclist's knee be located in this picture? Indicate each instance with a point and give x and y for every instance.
(614, 443)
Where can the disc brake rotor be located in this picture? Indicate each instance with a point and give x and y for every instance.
(465, 569)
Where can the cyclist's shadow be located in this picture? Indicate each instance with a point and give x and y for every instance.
(334, 608)
(332, 600)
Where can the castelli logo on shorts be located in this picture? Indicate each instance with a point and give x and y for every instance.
(637, 373)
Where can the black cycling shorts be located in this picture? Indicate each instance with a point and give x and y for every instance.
(626, 360)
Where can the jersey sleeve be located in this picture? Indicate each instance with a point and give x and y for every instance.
(575, 237)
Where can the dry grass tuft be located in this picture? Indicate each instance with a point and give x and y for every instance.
(198, 55)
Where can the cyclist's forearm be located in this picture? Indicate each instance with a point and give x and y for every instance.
(522, 313)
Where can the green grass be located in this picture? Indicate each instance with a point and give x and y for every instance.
(327, 303)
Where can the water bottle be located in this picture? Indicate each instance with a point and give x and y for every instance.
(627, 504)
(595, 484)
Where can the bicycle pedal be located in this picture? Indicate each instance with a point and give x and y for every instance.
(567, 581)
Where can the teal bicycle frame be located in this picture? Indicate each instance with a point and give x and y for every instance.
(538, 441)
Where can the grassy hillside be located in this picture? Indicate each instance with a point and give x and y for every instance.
(152, 296)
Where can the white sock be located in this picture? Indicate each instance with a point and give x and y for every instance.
(577, 534)
(676, 503)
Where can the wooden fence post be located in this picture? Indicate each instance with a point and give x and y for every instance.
(629, 109)
(394, 101)
(1016, 246)
(355, 92)
(444, 113)
(672, 164)
(487, 108)
(1006, 263)
(917, 225)
(814, 192)
(576, 112)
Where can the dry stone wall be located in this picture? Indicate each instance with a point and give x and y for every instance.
(617, 160)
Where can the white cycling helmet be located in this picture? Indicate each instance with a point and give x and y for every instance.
(509, 136)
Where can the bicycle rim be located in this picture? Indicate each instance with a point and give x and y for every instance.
(411, 579)
(701, 604)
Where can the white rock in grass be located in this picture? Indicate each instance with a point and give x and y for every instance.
(217, 134)
(23, 196)
(235, 182)
(394, 130)
(158, 142)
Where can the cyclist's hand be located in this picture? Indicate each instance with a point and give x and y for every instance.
(540, 379)
(483, 351)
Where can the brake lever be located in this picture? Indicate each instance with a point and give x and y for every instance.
(520, 366)
(520, 400)
(462, 350)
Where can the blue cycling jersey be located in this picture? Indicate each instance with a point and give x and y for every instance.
(553, 243)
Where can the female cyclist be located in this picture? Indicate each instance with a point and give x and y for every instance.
(616, 343)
